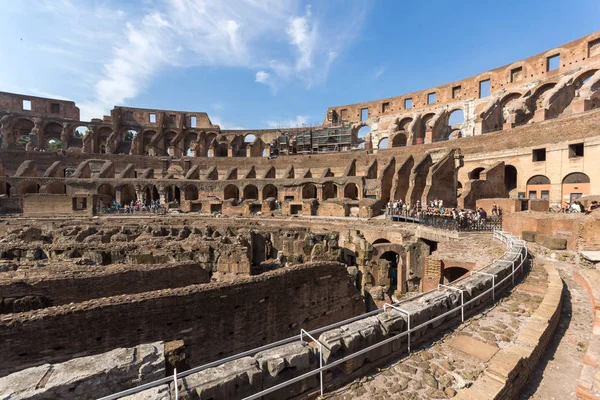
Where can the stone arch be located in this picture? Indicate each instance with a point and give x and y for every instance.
(453, 273)
(383, 143)
(381, 241)
(22, 128)
(575, 185)
(250, 192)
(309, 191)
(151, 194)
(231, 192)
(172, 193)
(394, 260)
(454, 125)
(538, 187)
(421, 132)
(51, 139)
(363, 136)
(269, 191)
(128, 194)
(190, 192)
(583, 77)
(102, 135)
(399, 140)
(510, 177)
(330, 191)
(221, 150)
(107, 189)
(351, 191)
(475, 173)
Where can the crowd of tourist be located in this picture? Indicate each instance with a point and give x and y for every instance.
(154, 207)
(577, 207)
(435, 213)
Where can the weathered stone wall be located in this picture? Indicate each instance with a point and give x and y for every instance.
(75, 287)
(214, 320)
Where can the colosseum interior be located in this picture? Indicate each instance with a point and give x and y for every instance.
(140, 258)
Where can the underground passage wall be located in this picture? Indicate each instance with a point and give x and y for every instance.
(213, 320)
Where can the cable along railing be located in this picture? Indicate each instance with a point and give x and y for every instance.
(516, 252)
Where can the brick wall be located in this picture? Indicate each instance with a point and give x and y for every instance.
(214, 320)
(111, 281)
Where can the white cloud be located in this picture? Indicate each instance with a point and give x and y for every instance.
(107, 53)
(262, 77)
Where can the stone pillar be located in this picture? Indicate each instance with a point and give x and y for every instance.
(118, 195)
(433, 273)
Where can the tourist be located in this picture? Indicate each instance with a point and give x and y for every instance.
(494, 209)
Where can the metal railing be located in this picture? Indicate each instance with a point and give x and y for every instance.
(464, 224)
(511, 242)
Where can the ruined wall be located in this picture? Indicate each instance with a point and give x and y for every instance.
(490, 184)
(214, 320)
(20, 295)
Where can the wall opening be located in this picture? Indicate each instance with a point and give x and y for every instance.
(553, 62)
(510, 177)
(383, 143)
(475, 174)
(576, 150)
(453, 273)
(408, 104)
(538, 155)
(431, 98)
(152, 118)
(192, 122)
(364, 114)
(26, 105)
(484, 88)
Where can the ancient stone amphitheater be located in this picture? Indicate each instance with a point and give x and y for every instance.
(149, 254)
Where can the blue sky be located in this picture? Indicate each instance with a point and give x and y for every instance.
(267, 63)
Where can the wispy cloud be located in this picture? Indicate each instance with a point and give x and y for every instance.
(379, 71)
(112, 52)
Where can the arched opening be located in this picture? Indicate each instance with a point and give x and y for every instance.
(309, 191)
(56, 188)
(538, 187)
(231, 192)
(423, 128)
(221, 150)
(22, 130)
(151, 194)
(459, 189)
(456, 118)
(453, 273)
(399, 140)
(362, 134)
(269, 191)
(510, 178)
(380, 241)
(456, 134)
(191, 192)
(81, 131)
(8, 188)
(172, 193)
(383, 144)
(128, 195)
(329, 191)
(249, 138)
(29, 187)
(393, 260)
(250, 192)
(474, 174)
(351, 191)
(575, 185)
(107, 190)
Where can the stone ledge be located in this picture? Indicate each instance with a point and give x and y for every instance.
(509, 369)
(588, 386)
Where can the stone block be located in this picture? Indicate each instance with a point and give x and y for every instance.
(551, 242)
(528, 236)
(233, 380)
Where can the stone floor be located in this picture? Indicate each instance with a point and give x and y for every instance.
(438, 370)
(557, 373)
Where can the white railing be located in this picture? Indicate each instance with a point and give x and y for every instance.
(512, 243)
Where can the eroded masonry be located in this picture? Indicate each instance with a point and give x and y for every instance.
(138, 249)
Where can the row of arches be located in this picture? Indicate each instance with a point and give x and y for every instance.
(308, 191)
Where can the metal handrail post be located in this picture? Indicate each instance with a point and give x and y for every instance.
(403, 312)
(175, 383)
(462, 299)
(493, 282)
(303, 332)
